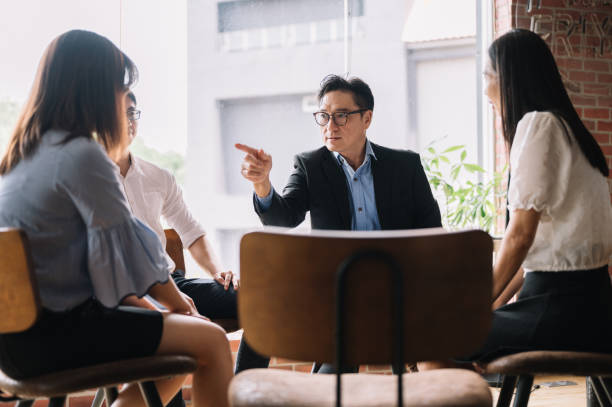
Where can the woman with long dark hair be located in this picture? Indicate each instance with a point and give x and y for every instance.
(91, 256)
(560, 228)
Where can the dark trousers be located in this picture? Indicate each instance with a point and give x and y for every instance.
(328, 368)
(213, 301)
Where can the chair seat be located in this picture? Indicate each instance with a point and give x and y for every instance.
(102, 375)
(553, 362)
(272, 388)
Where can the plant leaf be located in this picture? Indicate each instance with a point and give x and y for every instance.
(473, 168)
(453, 148)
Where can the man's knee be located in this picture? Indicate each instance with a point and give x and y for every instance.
(212, 300)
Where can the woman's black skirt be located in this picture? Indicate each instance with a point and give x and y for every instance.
(568, 310)
(86, 335)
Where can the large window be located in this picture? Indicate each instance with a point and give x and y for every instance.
(26, 27)
(217, 72)
(283, 123)
(251, 14)
(151, 32)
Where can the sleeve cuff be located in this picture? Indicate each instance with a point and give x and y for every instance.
(190, 236)
(126, 259)
(264, 203)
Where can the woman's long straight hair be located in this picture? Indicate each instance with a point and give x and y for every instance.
(78, 88)
(529, 81)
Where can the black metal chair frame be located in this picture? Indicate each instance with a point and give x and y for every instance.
(598, 391)
(398, 314)
(148, 390)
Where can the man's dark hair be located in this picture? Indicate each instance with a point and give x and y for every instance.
(362, 95)
(132, 97)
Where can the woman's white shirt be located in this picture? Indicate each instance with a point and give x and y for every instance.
(550, 174)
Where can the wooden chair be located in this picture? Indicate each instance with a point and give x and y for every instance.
(174, 248)
(294, 286)
(519, 370)
(20, 308)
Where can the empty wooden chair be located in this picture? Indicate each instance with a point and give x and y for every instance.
(174, 248)
(290, 301)
(20, 308)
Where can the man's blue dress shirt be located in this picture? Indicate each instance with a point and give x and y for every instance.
(361, 192)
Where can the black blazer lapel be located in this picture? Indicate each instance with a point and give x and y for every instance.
(337, 179)
(382, 173)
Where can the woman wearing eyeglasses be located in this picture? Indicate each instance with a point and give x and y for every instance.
(91, 256)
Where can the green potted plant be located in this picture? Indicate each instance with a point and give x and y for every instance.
(464, 201)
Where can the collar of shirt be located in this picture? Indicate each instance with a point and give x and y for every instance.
(133, 168)
(135, 165)
(369, 154)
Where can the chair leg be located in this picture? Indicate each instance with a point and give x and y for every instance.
(57, 401)
(507, 390)
(606, 383)
(111, 394)
(523, 390)
(98, 399)
(150, 394)
(25, 403)
(602, 394)
(591, 398)
(396, 369)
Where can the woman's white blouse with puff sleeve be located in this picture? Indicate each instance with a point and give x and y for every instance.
(84, 240)
(550, 174)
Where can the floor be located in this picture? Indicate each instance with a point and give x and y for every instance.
(573, 395)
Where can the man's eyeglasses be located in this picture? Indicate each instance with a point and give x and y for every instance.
(133, 114)
(339, 118)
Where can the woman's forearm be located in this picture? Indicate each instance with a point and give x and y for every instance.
(168, 295)
(514, 248)
(511, 289)
(509, 260)
(134, 301)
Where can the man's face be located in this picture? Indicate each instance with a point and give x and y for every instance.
(350, 138)
(132, 124)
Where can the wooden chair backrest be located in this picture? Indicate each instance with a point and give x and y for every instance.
(287, 296)
(19, 300)
(174, 248)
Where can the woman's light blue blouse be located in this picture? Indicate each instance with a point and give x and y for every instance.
(84, 240)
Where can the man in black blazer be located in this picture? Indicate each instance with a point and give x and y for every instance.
(350, 183)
